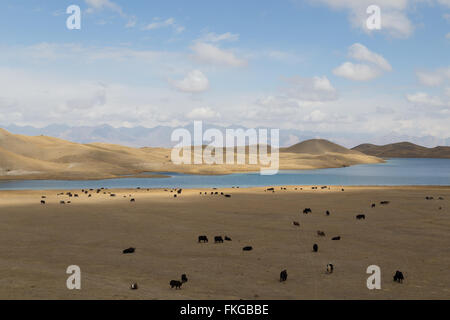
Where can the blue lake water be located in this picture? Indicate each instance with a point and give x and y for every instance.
(393, 172)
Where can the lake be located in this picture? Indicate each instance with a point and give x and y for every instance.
(393, 172)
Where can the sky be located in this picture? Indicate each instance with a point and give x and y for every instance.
(288, 64)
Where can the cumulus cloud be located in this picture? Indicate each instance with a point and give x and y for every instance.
(313, 89)
(356, 71)
(194, 82)
(374, 66)
(203, 114)
(210, 54)
(359, 52)
(394, 18)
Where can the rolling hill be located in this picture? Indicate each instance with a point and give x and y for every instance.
(42, 157)
(403, 150)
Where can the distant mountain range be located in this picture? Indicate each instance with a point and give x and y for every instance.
(160, 136)
(403, 150)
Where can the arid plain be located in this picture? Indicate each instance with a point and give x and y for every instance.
(411, 234)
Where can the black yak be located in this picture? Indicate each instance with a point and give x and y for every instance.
(218, 239)
(175, 284)
(202, 239)
(398, 276)
(248, 248)
(184, 278)
(361, 216)
(283, 275)
(315, 247)
(336, 238)
(129, 250)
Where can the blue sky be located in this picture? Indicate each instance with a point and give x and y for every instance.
(308, 65)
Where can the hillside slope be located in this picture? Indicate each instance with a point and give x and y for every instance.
(403, 150)
(42, 157)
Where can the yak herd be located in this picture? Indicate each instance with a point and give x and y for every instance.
(398, 276)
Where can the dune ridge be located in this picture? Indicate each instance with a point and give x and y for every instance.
(42, 157)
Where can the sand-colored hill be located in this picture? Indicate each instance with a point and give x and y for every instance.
(403, 150)
(316, 147)
(42, 157)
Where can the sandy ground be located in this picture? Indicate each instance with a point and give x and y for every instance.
(411, 234)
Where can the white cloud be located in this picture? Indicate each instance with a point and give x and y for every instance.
(394, 18)
(168, 23)
(98, 5)
(447, 36)
(315, 116)
(194, 82)
(359, 71)
(356, 71)
(424, 99)
(359, 52)
(213, 37)
(434, 78)
(208, 53)
(203, 114)
(314, 89)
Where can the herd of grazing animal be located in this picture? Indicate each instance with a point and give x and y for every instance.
(177, 284)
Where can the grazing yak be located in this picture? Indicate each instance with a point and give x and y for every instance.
(62, 202)
(307, 210)
(184, 278)
(133, 200)
(248, 248)
(361, 216)
(320, 233)
(283, 275)
(227, 238)
(228, 196)
(202, 239)
(296, 223)
(398, 276)
(336, 238)
(218, 239)
(129, 250)
(175, 284)
(384, 202)
(373, 205)
(330, 268)
(327, 213)
(42, 202)
(315, 247)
